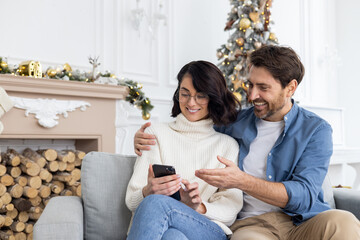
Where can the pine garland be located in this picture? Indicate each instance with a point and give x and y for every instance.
(135, 97)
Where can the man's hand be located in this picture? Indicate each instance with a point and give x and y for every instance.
(191, 196)
(167, 185)
(231, 176)
(142, 140)
(228, 177)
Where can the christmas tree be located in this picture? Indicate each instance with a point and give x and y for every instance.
(248, 24)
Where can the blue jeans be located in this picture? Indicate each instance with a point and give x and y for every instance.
(162, 217)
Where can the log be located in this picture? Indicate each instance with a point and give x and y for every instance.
(80, 154)
(11, 158)
(21, 180)
(2, 170)
(63, 177)
(35, 210)
(16, 191)
(17, 226)
(76, 174)
(34, 216)
(14, 171)
(76, 190)
(35, 201)
(23, 216)
(49, 178)
(71, 156)
(8, 221)
(3, 208)
(5, 236)
(2, 220)
(22, 204)
(12, 214)
(28, 166)
(44, 174)
(66, 192)
(62, 166)
(20, 236)
(66, 156)
(7, 180)
(31, 154)
(34, 182)
(52, 166)
(10, 207)
(48, 154)
(2, 189)
(70, 167)
(29, 226)
(30, 236)
(6, 198)
(45, 201)
(56, 186)
(44, 191)
(30, 192)
(78, 162)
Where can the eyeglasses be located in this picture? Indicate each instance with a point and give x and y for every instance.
(200, 98)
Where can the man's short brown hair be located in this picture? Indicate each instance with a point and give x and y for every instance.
(282, 62)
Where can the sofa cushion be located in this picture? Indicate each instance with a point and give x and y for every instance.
(328, 192)
(104, 179)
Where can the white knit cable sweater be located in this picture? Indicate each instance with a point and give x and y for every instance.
(189, 146)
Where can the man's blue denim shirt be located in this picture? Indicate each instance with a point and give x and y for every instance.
(299, 158)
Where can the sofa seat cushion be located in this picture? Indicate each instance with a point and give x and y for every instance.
(103, 185)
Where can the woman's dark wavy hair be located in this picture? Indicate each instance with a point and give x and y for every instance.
(207, 78)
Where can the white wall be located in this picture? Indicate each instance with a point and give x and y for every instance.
(323, 32)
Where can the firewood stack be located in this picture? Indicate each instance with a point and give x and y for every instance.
(28, 181)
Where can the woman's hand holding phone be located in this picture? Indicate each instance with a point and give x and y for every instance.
(167, 185)
(191, 196)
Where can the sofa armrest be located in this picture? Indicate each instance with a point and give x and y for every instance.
(62, 219)
(347, 199)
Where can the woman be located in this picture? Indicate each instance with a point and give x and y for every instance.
(189, 143)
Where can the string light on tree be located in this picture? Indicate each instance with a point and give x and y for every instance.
(248, 23)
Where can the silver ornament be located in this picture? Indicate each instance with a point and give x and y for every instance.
(248, 32)
(266, 35)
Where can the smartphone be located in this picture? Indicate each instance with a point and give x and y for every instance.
(165, 170)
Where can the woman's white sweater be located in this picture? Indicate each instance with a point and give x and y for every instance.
(189, 146)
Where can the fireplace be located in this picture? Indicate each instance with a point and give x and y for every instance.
(91, 129)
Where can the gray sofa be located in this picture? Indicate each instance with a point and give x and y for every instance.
(101, 212)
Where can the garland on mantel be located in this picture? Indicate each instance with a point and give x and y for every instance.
(33, 69)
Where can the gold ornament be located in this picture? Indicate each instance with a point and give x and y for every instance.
(146, 116)
(254, 16)
(244, 23)
(244, 86)
(257, 45)
(219, 54)
(237, 84)
(240, 42)
(4, 64)
(272, 36)
(51, 72)
(238, 96)
(27, 68)
(67, 67)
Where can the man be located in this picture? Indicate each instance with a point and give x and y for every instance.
(284, 156)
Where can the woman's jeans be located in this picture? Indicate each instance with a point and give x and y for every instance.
(162, 217)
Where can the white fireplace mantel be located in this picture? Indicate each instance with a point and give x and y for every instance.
(93, 129)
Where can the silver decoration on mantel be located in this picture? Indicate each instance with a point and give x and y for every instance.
(46, 110)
